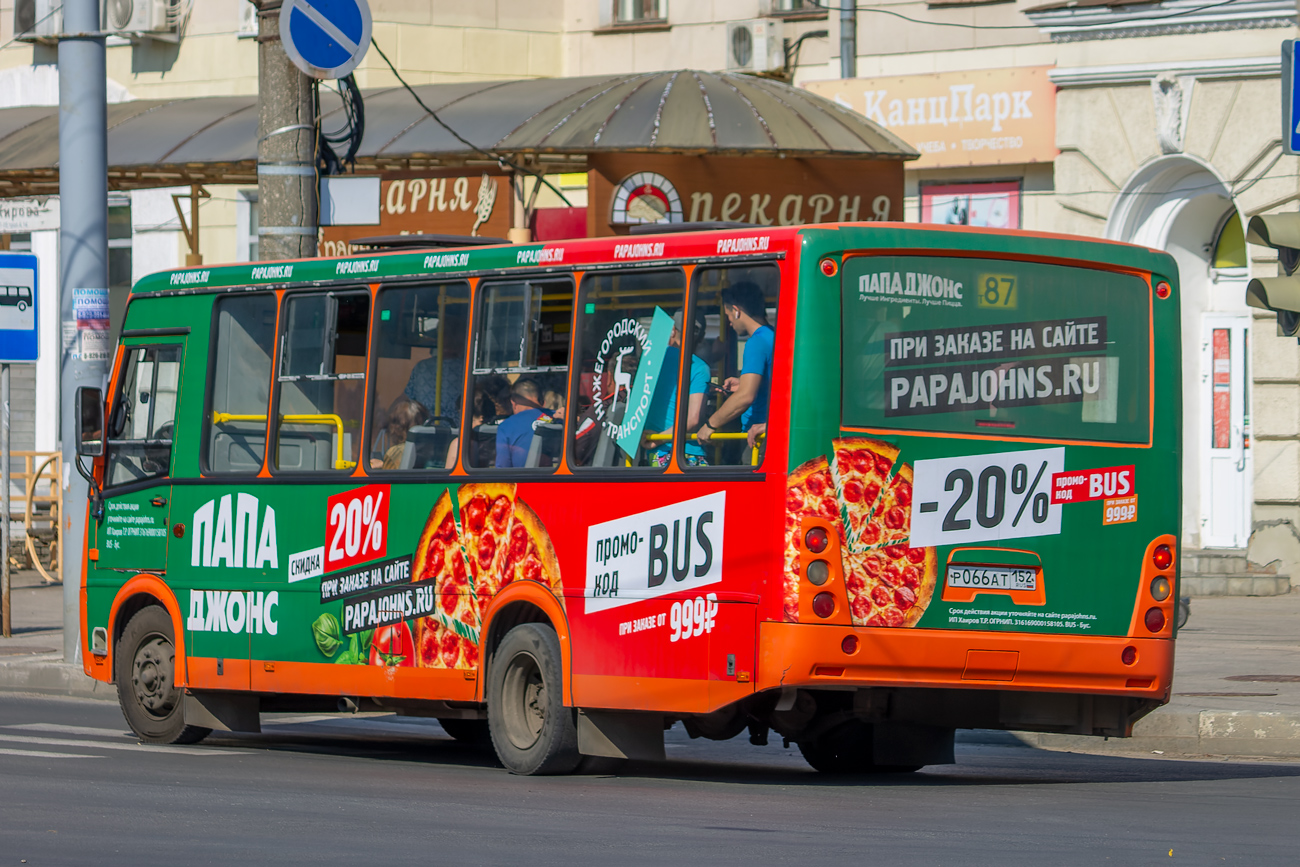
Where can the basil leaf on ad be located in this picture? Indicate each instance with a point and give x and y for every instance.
(328, 635)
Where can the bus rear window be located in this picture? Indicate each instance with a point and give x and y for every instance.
(985, 346)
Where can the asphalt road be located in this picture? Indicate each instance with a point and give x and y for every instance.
(76, 788)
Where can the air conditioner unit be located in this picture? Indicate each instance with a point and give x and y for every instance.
(755, 46)
(37, 20)
(155, 19)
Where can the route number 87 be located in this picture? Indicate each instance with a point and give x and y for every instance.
(997, 290)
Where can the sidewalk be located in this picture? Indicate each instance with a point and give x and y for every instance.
(1236, 677)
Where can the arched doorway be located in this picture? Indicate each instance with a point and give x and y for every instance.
(1180, 204)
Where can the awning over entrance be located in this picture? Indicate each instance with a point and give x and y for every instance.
(551, 124)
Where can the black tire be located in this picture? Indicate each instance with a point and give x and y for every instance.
(144, 667)
(1184, 610)
(473, 732)
(846, 749)
(532, 731)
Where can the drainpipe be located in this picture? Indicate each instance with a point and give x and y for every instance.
(848, 39)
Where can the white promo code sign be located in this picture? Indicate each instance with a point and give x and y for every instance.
(654, 553)
(984, 498)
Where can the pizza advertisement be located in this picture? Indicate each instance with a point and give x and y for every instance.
(424, 610)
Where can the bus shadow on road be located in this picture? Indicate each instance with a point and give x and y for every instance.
(423, 743)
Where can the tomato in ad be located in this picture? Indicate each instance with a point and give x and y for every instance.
(392, 645)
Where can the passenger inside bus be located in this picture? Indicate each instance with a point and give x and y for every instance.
(737, 305)
(515, 434)
(390, 444)
(662, 415)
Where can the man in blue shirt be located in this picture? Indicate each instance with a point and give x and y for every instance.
(746, 312)
(515, 434)
(660, 418)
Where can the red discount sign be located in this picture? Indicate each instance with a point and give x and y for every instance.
(358, 527)
(1080, 486)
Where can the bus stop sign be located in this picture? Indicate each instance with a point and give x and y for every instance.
(18, 342)
(1290, 95)
(325, 38)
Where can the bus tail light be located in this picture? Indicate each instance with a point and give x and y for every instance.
(1163, 557)
(830, 267)
(819, 572)
(1154, 619)
(1153, 610)
(1163, 290)
(1160, 588)
(823, 604)
(849, 645)
(817, 539)
(1129, 655)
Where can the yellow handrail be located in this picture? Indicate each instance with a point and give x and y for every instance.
(753, 460)
(298, 418)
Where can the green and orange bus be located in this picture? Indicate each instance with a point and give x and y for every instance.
(900, 496)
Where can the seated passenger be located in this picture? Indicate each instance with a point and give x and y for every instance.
(387, 451)
(515, 434)
(661, 417)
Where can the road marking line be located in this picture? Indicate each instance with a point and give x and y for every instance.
(148, 748)
(40, 755)
(71, 730)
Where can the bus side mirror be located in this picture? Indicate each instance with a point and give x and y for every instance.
(90, 422)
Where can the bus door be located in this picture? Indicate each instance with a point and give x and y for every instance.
(1225, 431)
(137, 491)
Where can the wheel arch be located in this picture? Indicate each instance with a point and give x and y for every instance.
(136, 594)
(524, 602)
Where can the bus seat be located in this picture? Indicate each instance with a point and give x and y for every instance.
(548, 440)
(608, 454)
(236, 449)
(426, 445)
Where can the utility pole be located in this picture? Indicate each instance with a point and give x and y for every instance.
(83, 270)
(848, 39)
(286, 147)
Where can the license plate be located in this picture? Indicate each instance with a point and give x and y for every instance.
(993, 577)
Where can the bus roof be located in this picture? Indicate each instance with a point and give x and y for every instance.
(649, 249)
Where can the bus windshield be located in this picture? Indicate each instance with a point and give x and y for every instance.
(1018, 349)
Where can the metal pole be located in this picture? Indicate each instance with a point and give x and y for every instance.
(287, 194)
(83, 269)
(4, 500)
(848, 39)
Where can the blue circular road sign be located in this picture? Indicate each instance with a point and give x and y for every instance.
(325, 38)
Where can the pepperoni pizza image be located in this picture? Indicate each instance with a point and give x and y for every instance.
(888, 582)
(497, 540)
(809, 493)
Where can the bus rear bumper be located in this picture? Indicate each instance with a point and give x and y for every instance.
(813, 657)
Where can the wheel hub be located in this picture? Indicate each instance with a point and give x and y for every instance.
(525, 701)
(152, 677)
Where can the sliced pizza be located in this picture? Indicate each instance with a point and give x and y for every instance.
(530, 556)
(487, 512)
(861, 468)
(809, 492)
(893, 514)
(890, 586)
(440, 558)
(439, 647)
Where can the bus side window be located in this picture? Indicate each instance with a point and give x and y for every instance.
(241, 384)
(626, 391)
(520, 375)
(322, 381)
(733, 330)
(144, 410)
(419, 377)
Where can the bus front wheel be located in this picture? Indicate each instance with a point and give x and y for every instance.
(146, 681)
(532, 731)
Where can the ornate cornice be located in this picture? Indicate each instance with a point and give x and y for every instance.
(1079, 23)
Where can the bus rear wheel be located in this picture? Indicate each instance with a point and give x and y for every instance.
(145, 669)
(847, 749)
(532, 731)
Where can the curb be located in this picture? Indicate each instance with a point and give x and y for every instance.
(52, 676)
(1241, 733)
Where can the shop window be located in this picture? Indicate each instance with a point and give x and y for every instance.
(322, 381)
(626, 389)
(1229, 244)
(792, 8)
(732, 330)
(419, 383)
(640, 11)
(119, 263)
(140, 427)
(247, 220)
(520, 375)
(241, 384)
